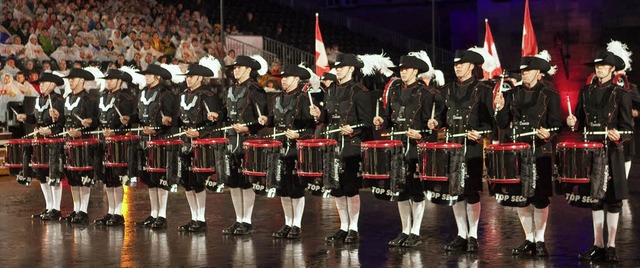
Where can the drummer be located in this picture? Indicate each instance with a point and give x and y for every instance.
(80, 115)
(469, 109)
(603, 105)
(408, 107)
(535, 106)
(346, 106)
(117, 107)
(199, 109)
(156, 107)
(245, 101)
(291, 116)
(50, 177)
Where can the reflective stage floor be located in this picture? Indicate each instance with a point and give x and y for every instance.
(31, 243)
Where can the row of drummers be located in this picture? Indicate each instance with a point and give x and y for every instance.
(440, 165)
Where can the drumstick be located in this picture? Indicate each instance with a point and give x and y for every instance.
(457, 135)
(37, 131)
(433, 114)
(340, 129)
(117, 111)
(14, 111)
(77, 116)
(283, 133)
(230, 127)
(531, 133)
(378, 112)
(66, 132)
(184, 132)
(624, 132)
(310, 98)
(569, 109)
(258, 109)
(398, 133)
(207, 107)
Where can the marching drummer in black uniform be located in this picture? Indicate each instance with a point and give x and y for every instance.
(603, 105)
(291, 116)
(45, 127)
(534, 106)
(469, 109)
(199, 108)
(408, 107)
(347, 106)
(81, 115)
(117, 107)
(156, 108)
(245, 101)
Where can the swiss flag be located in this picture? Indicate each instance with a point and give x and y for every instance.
(490, 46)
(322, 62)
(529, 43)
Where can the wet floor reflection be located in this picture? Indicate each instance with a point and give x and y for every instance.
(28, 243)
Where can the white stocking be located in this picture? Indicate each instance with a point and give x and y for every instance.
(526, 220)
(460, 213)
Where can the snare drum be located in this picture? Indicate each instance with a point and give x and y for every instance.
(311, 161)
(504, 163)
(204, 151)
(256, 161)
(158, 154)
(260, 156)
(40, 154)
(15, 152)
(377, 157)
(577, 163)
(117, 149)
(80, 153)
(437, 163)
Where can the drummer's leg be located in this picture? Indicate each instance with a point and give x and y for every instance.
(56, 193)
(352, 191)
(613, 208)
(297, 201)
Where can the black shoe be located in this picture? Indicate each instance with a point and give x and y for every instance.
(39, 215)
(294, 233)
(595, 253)
(352, 237)
(472, 245)
(243, 229)
(611, 255)
(283, 232)
(52, 215)
(146, 222)
(198, 226)
(541, 250)
(116, 220)
(69, 217)
(527, 247)
(337, 237)
(159, 223)
(229, 230)
(396, 242)
(412, 241)
(81, 218)
(184, 228)
(104, 220)
(458, 244)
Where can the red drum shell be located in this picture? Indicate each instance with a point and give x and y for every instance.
(15, 149)
(40, 156)
(117, 148)
(204, 153)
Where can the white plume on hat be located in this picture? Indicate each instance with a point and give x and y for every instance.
(314, 79)
(489, 63)
(64, 89)
(547, 57)
(264, 66)
(621, 50)
(97, 81)
(435, 75)
(136, 78)
(376, 62)
(212, 64)
(177, 76)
